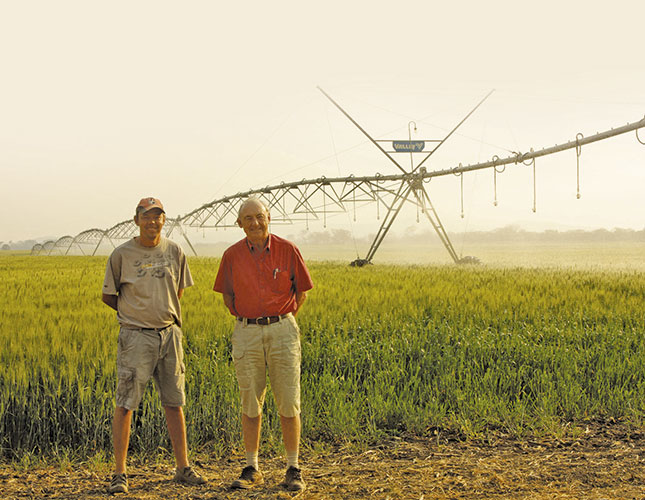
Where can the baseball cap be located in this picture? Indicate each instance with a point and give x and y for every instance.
(148, 204)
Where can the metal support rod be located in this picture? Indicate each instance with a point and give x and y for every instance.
(578, 153)
(461, 179)
(362, 130)
(534, 188)
(177, 224)
(436, 223)
(391, 215)
(183, 233)
(453, 130)
(99, 243)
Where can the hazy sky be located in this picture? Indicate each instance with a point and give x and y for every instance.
(102, 103)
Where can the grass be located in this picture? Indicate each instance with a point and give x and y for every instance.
(386, 350)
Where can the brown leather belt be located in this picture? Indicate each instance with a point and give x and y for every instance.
(265, 320)
(156, 330)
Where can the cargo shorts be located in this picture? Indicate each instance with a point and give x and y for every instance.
(274, 348)
(143, 354)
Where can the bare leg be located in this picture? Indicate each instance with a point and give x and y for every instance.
(251, 432)
(290, 432)
(177, 430)
(121, 437)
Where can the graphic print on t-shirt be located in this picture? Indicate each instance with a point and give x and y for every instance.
(155, 264)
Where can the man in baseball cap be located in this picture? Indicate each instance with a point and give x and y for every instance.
(144, 280)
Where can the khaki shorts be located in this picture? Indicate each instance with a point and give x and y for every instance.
(275, 348)
(143, 354)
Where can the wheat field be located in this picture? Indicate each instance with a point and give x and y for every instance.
(386, 350)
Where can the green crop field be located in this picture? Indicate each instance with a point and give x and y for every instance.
(386, 349)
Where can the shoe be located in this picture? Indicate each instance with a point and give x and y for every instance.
(249, 478)
(188, 476)
(293, 480)
(119, 484)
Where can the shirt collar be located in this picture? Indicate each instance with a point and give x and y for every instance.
(267, 247)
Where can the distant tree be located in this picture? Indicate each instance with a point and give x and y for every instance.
(6, 247)
(325, 237)
(510, 229)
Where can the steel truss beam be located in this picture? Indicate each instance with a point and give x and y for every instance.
(89, 237)
(128, 229)
(298, 201)
(523, 157)
(94, 237)
(48, 246)
(62, 243)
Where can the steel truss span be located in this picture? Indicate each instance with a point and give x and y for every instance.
(316, 199)
(93, 238)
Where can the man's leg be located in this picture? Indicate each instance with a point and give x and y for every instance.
(251, 432)
(169, 376)
(250, 370)
(251, 475)
(284, 372)
(291, 435)
(177, 430)
(121, 437)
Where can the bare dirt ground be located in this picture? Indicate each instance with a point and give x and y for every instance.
(603, 462)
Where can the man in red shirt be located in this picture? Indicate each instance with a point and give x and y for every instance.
(263, 280)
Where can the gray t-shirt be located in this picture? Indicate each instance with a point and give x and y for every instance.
(147, 281)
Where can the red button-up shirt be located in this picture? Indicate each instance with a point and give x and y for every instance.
(263, 282)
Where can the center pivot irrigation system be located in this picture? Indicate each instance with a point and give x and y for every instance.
(315, 199)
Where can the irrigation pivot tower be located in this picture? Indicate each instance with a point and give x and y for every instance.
(412, 184)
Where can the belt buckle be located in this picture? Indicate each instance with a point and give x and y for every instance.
(260, 320)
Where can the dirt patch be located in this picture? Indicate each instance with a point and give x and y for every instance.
(603, 462)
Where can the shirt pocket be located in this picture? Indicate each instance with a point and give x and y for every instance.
(281, 282)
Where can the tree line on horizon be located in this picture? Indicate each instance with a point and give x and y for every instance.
(500, 235)
(508, 233)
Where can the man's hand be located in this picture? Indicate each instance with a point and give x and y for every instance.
(229, 301)
(300, 299)
(110, 300)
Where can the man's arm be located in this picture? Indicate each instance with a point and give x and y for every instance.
(110, 300)
(180, 293)
(300, 299)
(229, 301)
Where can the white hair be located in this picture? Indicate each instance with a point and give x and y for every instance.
(248, 201)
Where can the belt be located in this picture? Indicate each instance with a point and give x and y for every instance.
(156, 330)
(264, 320)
